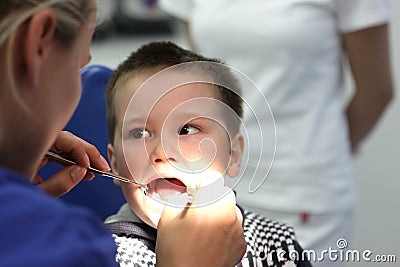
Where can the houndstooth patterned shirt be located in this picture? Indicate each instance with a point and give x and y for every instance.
(269, 243)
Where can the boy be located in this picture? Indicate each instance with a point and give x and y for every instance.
(174, 119)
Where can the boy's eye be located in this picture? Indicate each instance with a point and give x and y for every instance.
(140, 133)
(187, 129)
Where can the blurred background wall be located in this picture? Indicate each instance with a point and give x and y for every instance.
(378, 164)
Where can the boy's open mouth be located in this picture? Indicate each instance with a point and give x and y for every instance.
(165, 188)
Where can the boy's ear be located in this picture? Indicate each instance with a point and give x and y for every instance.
(38, 43)
(113, 162)
(237, 146)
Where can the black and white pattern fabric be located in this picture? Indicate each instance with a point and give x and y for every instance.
(269, 243)
(135, 243)
(133, 252)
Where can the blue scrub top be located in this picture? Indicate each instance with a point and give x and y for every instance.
(37, 230)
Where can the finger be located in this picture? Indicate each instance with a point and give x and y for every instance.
(68, 144)
(63, 181)
(43, 163)
(88, 151)
(89, 176)
(81, 151)
(37, 179)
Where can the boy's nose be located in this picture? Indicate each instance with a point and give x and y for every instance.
(163, 153)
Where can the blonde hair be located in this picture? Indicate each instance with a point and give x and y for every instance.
(70, 16)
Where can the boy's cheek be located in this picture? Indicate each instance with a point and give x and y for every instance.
(202, 153)
(134, 165)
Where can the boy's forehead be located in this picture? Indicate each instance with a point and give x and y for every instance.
(154, 83)
(123, 95)
(187, 98)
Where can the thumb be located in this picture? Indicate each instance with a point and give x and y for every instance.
(63, 181)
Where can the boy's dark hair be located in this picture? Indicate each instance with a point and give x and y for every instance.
(161, 55)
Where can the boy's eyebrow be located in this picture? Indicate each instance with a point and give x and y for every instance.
(201, 115)
(191, 115)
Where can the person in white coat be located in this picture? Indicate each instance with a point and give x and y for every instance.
(296, 52)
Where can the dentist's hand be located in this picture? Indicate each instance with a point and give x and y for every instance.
(82, 153)
(204, 235)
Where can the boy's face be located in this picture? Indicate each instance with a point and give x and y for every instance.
(178, 141)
